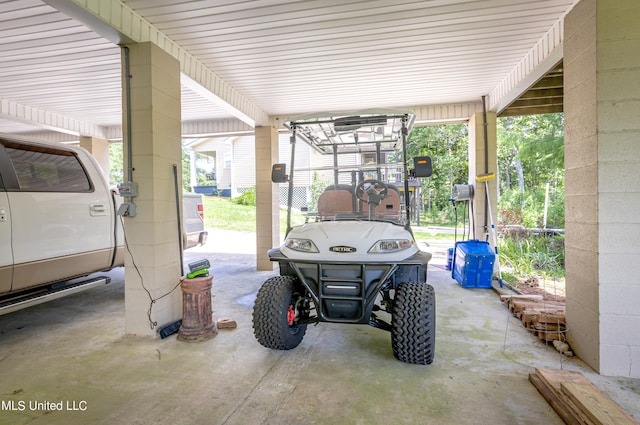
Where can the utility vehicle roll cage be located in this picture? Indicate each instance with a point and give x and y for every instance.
(373, 132)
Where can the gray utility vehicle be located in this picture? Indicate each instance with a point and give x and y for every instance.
(355, 259)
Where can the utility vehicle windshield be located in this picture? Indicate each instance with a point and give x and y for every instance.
(357, 166)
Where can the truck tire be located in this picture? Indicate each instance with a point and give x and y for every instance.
(413, 325)
(272, 311)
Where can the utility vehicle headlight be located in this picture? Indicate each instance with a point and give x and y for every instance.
(390, 245)
(304, 245)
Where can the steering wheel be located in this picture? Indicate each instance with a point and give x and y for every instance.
(376, 191)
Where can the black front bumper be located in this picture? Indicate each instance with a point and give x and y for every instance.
(346, 292)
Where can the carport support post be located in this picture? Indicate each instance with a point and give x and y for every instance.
(267, 196)
(602, 184)
(477, 167)
(152, 260)
(99, 149)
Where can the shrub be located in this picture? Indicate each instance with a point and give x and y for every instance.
(532, 254)
(247, 198)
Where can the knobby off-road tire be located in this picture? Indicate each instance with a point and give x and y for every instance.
(413, 325)
(270, 315)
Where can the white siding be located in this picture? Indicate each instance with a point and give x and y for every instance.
(243, 165)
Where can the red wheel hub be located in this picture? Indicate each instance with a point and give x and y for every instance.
(291, 315)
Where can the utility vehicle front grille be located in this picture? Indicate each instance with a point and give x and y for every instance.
(343, 293)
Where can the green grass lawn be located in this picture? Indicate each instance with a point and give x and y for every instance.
(438, 236)
(221, 213)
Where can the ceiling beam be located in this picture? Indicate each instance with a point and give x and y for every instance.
(48, 120)
(199, 128)
(542, 58)
(445, 114)
(527, 103)
(531, 110)
(536, 93)
(549, 82)
(215, 127)
(425, 114)
(120, 24)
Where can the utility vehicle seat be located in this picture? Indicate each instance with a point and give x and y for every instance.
(390, 206)
(335, 200)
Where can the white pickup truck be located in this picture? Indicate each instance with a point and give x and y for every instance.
(58, 222)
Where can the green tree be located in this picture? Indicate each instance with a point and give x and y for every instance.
(318, 184)
(203, 175)
(530, 156)
(447, 145)
(186, 175)
(117, 172)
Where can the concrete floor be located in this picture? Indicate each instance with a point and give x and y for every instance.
(73, 351)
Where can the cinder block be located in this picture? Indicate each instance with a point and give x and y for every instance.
(582, 237)
(619, 146)
(618, 116)
(618, 55)
(616, 329)
(619, 238)
(582, 180)
(581, 208)
(583, 319)
(580, 91)
(620, 207)
(620, 360)
(580, 153)
(580, 123)
(619, 275)
(583, 13)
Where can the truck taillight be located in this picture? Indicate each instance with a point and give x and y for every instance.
(201, 211)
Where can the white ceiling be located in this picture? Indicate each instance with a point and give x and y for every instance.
(279, 57)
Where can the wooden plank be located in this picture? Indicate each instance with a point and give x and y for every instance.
(547, 306)
(532, 297)
(548, 327)
(554, 378)
(554, 401)
(551, 317)
(550, 336)
(546, 318)
(528, 320)
(596, 405)
(529, 317)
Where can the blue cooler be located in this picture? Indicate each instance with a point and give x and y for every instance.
(449, 258)
(473, 264)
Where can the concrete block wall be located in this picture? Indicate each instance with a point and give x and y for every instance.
(581, 182)
(267, 196)
(602, 183)
(618, 100)
(152, 235)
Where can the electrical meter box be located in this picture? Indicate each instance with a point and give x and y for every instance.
(473, 264)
